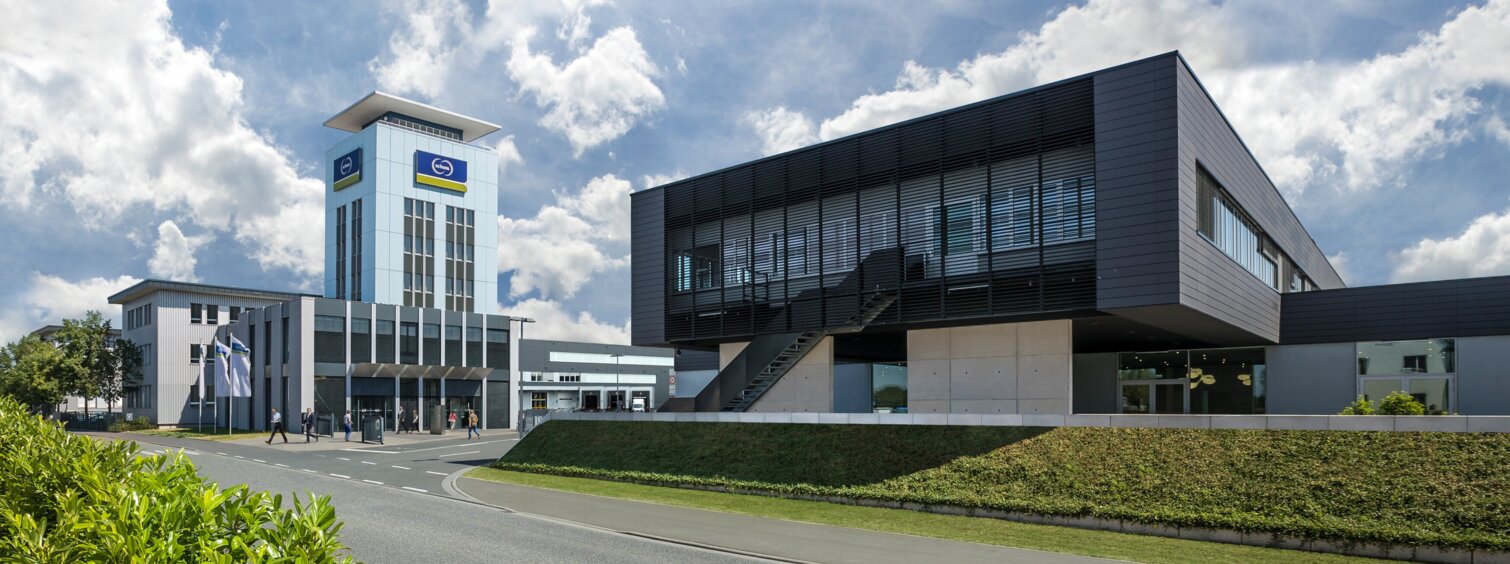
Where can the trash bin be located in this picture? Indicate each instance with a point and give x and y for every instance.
(372, 429)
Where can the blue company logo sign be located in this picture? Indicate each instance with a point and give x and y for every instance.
(440, 171)
(347, 170)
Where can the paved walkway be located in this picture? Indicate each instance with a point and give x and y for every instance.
(771, 538)
(390, 440)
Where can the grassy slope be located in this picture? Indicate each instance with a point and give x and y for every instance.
(1102, 544)
(1416, 488)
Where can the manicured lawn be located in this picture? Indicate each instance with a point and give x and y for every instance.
(1451, 489)
(219, 435)
(971, 529)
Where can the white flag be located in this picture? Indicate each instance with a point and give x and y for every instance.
(222, 370)
(204, 358)
(241, 369)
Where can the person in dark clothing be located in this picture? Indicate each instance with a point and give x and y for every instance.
(399, 419)
(277, 427)
(309, 425)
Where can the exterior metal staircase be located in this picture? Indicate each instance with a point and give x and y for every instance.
(799, 347)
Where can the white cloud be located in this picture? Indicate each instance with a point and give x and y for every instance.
(1342, 265)
(173, 258)
(653, 180)
(782, 130)
(508, 154)
(1358, 124)
(553, 322)
(1483, 249)
(598, 96)
(565, 245)
(119, 114)
(51, 299)
(1495, 126)
(422, 56)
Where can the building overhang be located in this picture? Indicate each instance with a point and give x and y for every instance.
(386, 370)
(374, 105)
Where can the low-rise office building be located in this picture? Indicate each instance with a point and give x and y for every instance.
(561, 375)
(1102, 244)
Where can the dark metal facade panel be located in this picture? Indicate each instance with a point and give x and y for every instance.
(647, 248)
(1450, 308)
(1207, 137)
(1136, 140)
(979, 213)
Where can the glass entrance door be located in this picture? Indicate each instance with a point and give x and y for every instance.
(1154, 397)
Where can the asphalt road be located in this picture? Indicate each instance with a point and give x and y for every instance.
(385, 522)
(406, 503)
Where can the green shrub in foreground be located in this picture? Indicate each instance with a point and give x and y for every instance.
(68, 498)
(1400, 403)
(1359, 406)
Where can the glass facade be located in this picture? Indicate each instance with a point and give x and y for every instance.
(498, 349)
(361, 340)
(385, 340)
(986, 211)
(888, 388)
(1426, 369)
(419, 253)
(1202, 381)
(453, 345)
(330, 338)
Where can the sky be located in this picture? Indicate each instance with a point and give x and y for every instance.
(183, 139)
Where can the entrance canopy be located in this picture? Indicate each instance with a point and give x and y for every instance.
(386, 370)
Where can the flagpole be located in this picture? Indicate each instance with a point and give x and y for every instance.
(201, 389)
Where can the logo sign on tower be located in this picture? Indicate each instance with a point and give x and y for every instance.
(440, 171)
(347, 170)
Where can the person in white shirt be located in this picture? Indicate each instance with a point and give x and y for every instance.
(346, 423)
(277, 427)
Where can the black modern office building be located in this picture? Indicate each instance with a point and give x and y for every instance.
(1101, 244)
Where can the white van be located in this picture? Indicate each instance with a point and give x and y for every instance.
(637, 405)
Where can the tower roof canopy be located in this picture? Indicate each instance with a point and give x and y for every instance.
(376, 104)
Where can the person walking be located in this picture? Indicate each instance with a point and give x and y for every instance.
(346, 424)
(309, 425)
(451, 421)
(277, 427)
(472, 425)
(399, 420)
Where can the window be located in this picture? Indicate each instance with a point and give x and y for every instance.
(146, 352)
(408, 343)
(385, 341)
(697, 268)
(212, 314)
(194, 353)
(498, 349)
(361, 340)
(137, 397)
(196, 313)
(537, 400)
(209, 392)
(1223, 223)
(1425, 369)
(1205, 381)
(330, 338)
(235, 313)
(356, 250)
(603, 358)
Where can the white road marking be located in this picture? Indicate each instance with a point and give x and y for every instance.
(283, 465)
(239, 456)
(341, 476)
(436, 473)
(372, 463)
(190, 452)
(373, 482)
(431, 448)
(221, 454)
(346, 459)
(416, 489)
(259, 460)
(401, 467)
(459, 453)
(310, 471)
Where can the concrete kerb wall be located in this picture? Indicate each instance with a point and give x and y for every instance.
(1429, 423)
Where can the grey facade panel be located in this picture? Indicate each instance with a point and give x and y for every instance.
(1095, 381)
(1311, 379)
(1450, 308)
(1135, 185)
(1483, 375)
(1206, 136)
(647, 298)
(1210, 281)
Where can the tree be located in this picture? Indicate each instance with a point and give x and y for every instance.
(124, 370)
(87, 344)
(32, 372)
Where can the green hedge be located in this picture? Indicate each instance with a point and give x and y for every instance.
(1450, 489)
(69, 498)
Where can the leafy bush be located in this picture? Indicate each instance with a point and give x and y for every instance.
(137, 424)
(1450, 489)
(69, 498)
(1358, 407)
(1400, 403)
